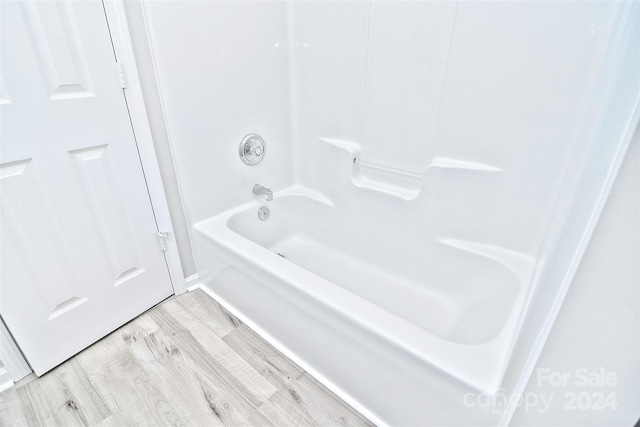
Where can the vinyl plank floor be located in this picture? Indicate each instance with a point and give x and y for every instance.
(185, 362)
(300, 399)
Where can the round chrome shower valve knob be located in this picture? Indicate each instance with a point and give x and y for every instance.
(252, 149)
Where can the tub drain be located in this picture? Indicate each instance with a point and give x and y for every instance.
(263, 213)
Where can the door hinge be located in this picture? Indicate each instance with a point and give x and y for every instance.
(123, 82)
(162, 236)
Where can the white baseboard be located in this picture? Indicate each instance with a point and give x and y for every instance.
(5, 379)
(11, 359)
(193, 282)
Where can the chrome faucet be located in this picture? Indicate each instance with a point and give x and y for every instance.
(262, 191)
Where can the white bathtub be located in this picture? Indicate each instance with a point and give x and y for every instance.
(451, 305)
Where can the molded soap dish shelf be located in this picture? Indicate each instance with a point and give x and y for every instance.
(403, 183)
(398, 181)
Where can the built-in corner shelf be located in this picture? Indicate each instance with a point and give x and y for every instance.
(399, 181)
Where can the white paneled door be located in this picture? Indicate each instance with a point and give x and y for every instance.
(80, 254)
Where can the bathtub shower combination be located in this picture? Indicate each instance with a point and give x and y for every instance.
(453, 303)
(407, 240)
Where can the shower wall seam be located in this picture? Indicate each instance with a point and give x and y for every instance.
(435, 144)
(293, 93)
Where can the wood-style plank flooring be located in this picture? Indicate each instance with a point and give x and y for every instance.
(185, 362)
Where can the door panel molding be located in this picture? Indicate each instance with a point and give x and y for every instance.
(32, 226)
(65, 71)
(103, 195)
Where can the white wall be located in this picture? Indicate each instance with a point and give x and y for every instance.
(599, 324)
(376, 77)
(503, 86)
(222, 70)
